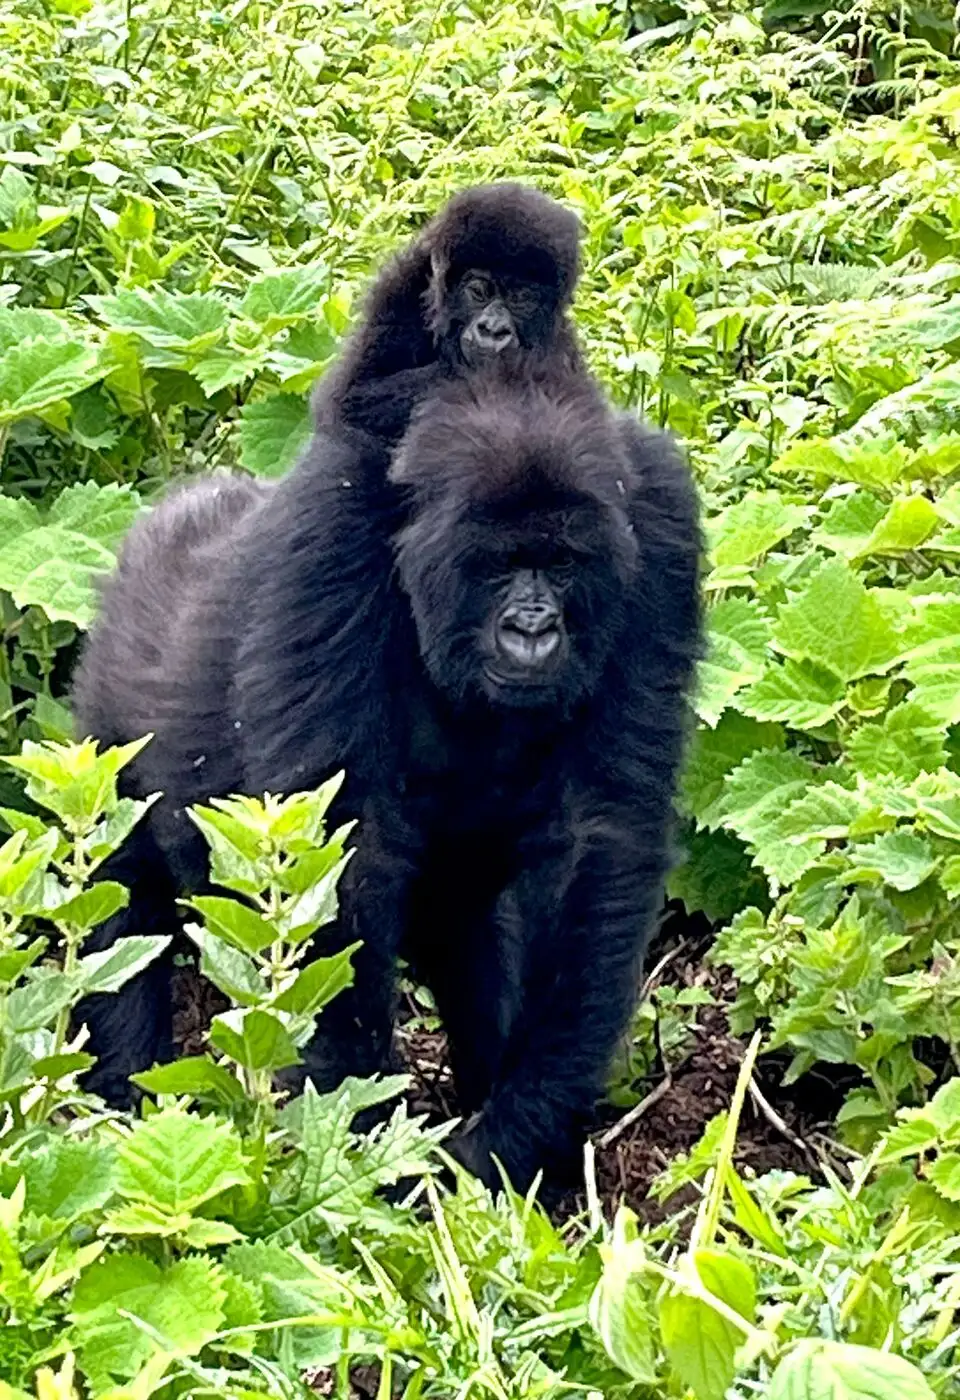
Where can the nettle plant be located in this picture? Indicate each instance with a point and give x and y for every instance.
(46, 869)
(827, 762)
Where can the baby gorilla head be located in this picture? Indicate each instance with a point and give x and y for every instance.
(504, 261)
(519, 543)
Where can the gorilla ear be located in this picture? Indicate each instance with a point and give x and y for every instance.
(436, 295)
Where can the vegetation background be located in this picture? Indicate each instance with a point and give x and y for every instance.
(191, 199)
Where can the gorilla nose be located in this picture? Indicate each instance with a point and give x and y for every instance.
(494, 331)
(534, 619)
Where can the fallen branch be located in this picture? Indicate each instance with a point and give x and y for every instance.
(636, 1113)
(774, 1118)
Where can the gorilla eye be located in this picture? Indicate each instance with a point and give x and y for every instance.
(478, 289)
(563, 573)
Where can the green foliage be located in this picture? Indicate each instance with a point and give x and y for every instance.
(190, 202)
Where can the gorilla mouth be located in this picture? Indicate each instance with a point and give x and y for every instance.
(523, 657)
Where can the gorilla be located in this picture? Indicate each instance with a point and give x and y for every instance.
(489, 279)
(493, 630)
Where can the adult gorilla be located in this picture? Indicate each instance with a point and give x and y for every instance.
(495, 640)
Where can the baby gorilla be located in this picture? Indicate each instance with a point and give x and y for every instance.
(495, 639)
(490, 278)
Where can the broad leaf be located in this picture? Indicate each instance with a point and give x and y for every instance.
(738, 633)
(902, 858)
(835, 621)
(38, 373)
(176, 1161)
(111, 969)
(273, 434)
(235, 923)
(822, 1370)
(799, 693)
(181, 1305)
(254, 1039)
(196, 1075)
(180, 321)
(744, 532)
(700, 1343)
(910, 741)
(278, 299)
(318, 983)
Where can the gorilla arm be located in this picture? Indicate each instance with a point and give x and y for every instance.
(390, 362)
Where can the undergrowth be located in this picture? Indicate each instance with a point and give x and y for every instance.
(190, 201)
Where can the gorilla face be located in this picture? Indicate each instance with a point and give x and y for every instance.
(519, 545)
(495, 315)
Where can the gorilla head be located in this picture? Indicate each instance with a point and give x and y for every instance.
(504, 261)
(520, 543)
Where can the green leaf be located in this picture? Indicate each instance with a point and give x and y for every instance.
(799, 693)
(738, 633)
(235, 923)
(188, 322)
(913, 1134)
(53, 568)
(182, 1304)
(100, 513)
(38, 1003)
(239, 859)
(318, 983)
(901, 858)
(111, 969)
(944, 1175)
(835, 621)
(93, 906)
(279, 299)
(713, 754)
(229, 969)
(38, 373)
(821, 1370)
(254, 1039)
(273, 433)
(20, 323)
(848, 524)
(909, 522)
(950, 877)
(177, 1161)
(67, 1179)
(196, 1075)
(317, 905)
(621, 1313)
(910, 741)
(761, 1224)
(700, 1344)
(932, 657)
(760, 787)
(944, 1109)
(744, 532)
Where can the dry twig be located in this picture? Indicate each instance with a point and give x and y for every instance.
(636, 1113)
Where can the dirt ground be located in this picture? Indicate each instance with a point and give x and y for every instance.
(778, 1129)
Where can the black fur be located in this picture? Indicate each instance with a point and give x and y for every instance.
(512, 842)
(407, 342)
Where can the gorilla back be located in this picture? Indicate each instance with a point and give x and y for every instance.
(495, 640)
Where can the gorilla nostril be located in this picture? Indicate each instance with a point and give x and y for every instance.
(496, 334)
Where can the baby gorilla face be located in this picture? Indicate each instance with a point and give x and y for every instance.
(492, 317)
